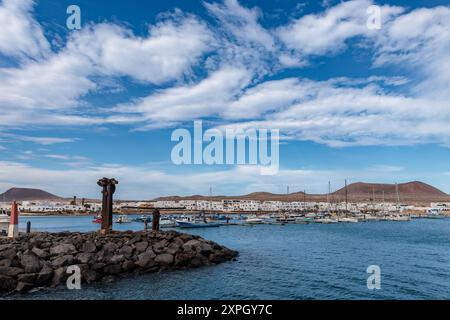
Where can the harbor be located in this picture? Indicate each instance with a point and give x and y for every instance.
(291, 261)
(184, 220)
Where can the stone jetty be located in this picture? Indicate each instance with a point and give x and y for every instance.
(41, 259)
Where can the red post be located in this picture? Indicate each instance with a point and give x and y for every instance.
(13, 230)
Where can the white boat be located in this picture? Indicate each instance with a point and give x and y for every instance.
(122, 219)
(254, 220)
(396, 218)
(434, 213)
(348, 220)
(303, 220)
(167, 223)
(401, 218)
(285, 219)
(369, 217)
(326, 220)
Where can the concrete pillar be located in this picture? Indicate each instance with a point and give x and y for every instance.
(13, 230)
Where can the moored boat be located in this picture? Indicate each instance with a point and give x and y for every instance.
(167, 223)
(196, 224)
(122, 219)
(143, 218)
(347, 220)
(4, 223)
(254, 220)
(325, 220)
(285, 219)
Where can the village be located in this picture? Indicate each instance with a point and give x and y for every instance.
(82, 207)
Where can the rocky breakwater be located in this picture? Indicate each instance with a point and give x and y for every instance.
(42, 259)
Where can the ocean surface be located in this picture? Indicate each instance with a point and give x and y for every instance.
(313, 261)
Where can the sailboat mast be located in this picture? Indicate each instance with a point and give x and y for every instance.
(373, 199)
(398, 197)
(328, 197)
(210, 201)
(304, 200)
(346, 197)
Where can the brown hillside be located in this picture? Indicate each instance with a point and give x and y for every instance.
(26, 194)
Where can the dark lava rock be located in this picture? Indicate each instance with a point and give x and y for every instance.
(164, 258)
(41, 259)
(63, 248)
(7, 283)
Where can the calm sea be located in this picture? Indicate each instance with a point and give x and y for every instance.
(290, 262)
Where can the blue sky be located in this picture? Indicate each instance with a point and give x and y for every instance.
(350, 102)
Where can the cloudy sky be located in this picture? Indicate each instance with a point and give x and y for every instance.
(351, 102)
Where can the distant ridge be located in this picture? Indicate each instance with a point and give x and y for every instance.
(410, 192)
(262, 196)
(27, 194)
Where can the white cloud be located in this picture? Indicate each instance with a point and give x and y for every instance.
(168, 52)
(385, 168)
(327, 33)
(339, 114)
(265, 97)
(208, 97)
(34, 139)
(241, 39)
(419, 41)
(242, 23)
(20, 35)
(54, 84)
(51, 90)
(147, 183)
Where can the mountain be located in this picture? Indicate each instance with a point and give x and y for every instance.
(410, 192)
(26, 194)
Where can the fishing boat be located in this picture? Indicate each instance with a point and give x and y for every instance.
(369, 217)
(285, 219)
(348, 220)
(167, 223)
(434, 213)
(325, 220)
(143, 218)
(196, 223)
(254, 220)
(97, 219)
(303, 220)
(401, 218)
(122, 219)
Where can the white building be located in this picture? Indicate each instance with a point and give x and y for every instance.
(249, 205)
(188, 204)
(231, 205)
